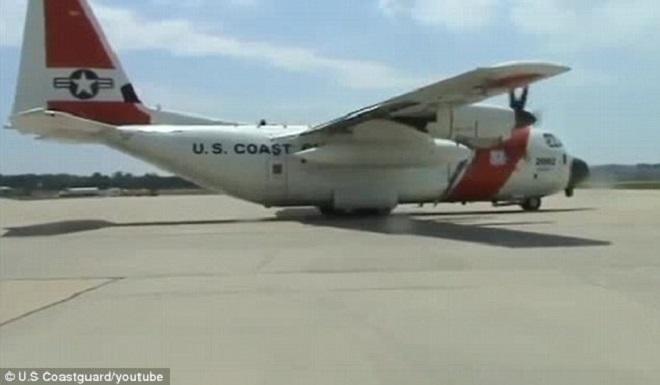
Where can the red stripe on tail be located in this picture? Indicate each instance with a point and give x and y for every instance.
(72, 38)
(483, 179)
(115, 113)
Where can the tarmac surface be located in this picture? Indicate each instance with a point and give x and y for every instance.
(226, 292)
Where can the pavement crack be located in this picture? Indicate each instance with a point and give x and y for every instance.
(62, 301)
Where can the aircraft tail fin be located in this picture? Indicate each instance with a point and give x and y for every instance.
(67, 65)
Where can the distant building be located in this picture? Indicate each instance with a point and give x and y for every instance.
(112, 192)
(6, 191)
(80, 192)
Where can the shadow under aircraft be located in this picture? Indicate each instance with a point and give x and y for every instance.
(449, 226)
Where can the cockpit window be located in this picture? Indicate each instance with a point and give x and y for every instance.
(552, 141)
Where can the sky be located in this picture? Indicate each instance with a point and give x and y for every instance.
(299, 61)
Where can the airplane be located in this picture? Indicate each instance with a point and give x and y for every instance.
(435, 144)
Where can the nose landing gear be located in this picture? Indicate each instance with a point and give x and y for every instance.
(531, 204)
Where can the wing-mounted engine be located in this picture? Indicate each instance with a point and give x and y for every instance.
(476, 126)
(482, 126)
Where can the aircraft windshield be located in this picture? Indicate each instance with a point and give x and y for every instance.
(552, 141)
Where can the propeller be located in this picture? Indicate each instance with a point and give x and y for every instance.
(517, 102)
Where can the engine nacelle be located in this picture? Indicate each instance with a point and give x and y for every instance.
(475, 125)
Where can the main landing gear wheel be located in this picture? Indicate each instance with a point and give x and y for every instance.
(531, 204)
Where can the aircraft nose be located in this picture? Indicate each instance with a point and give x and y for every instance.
(579, 172)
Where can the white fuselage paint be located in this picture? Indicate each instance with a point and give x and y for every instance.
(543, 171)
(257, 164)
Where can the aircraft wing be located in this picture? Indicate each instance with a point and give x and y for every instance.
(468, 88)
(382, 143)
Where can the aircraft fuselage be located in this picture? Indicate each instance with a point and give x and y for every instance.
(260, 164)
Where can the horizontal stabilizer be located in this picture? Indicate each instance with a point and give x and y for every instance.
(60, 126)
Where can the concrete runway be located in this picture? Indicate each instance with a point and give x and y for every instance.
(225, 292)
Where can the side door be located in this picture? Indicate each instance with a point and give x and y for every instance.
(277, 179)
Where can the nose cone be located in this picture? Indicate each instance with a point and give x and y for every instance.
(579, 172)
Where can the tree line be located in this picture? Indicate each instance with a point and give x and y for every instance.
(57, 182)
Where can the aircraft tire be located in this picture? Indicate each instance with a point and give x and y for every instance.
(531, 204)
